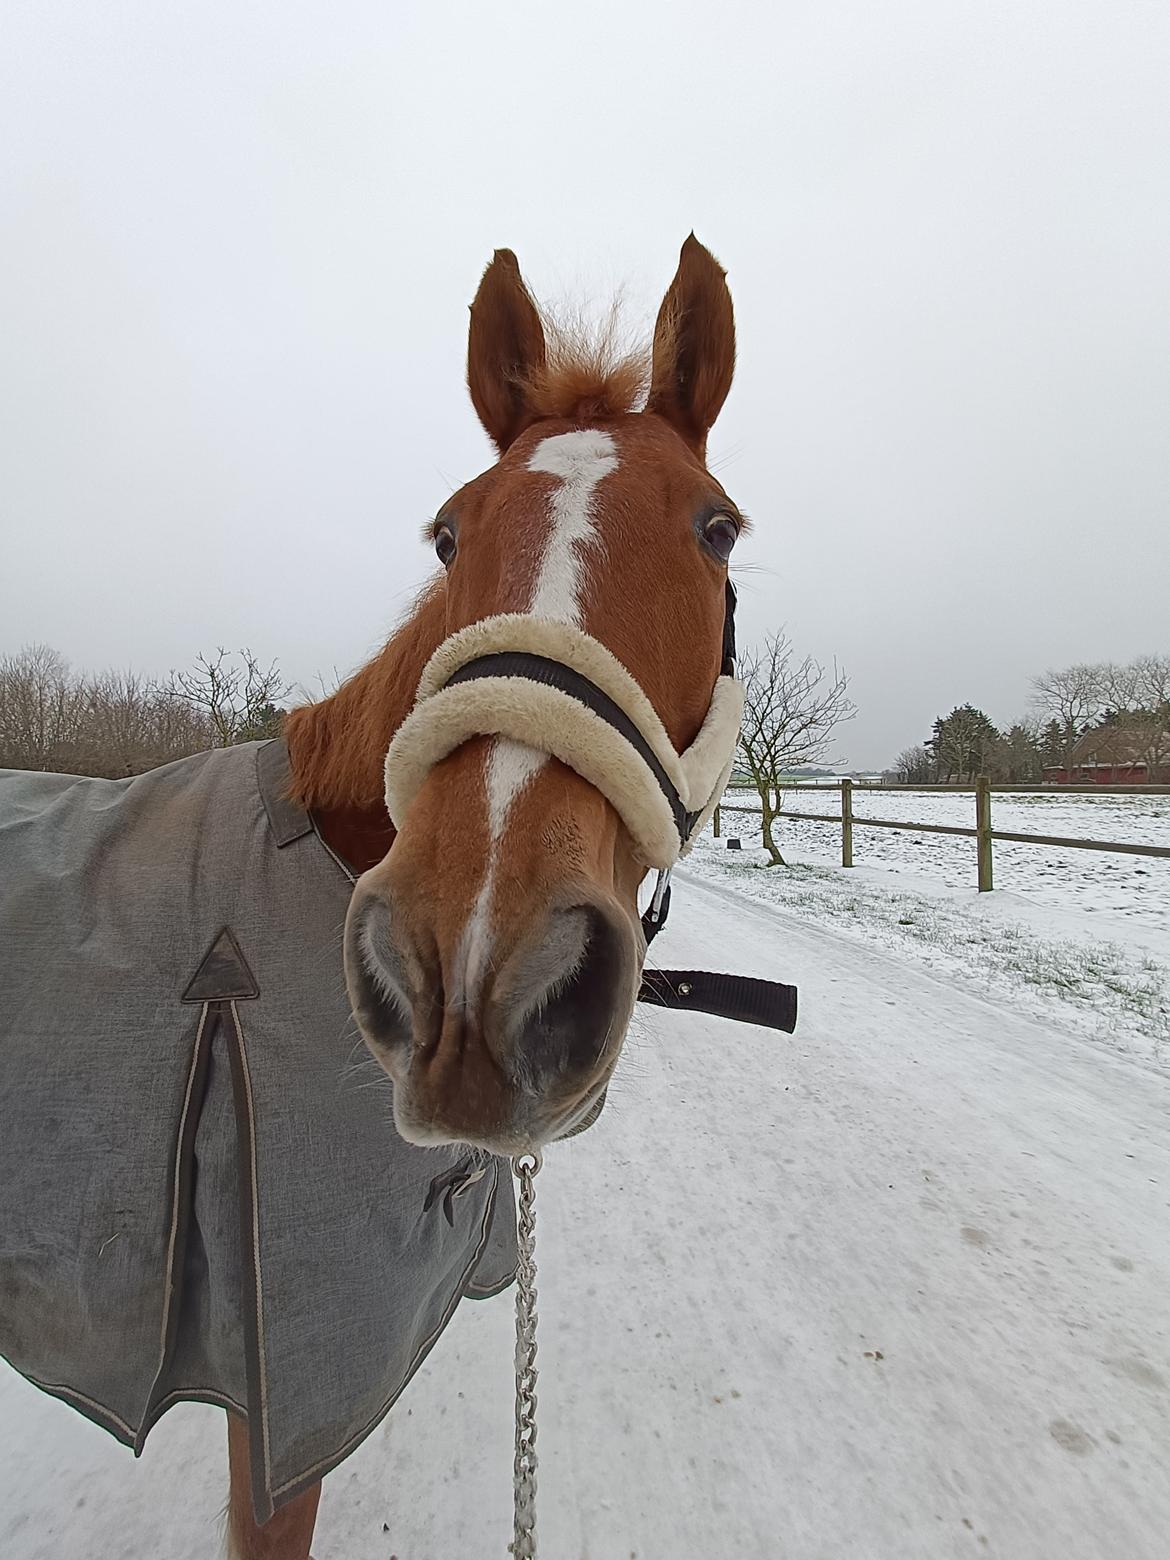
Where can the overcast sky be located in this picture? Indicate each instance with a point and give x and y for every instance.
(237, 244)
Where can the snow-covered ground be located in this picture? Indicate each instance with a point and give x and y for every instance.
(1096, 882)
(891, 1289)
(1104, 977)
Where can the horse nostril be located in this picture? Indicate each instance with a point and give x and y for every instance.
(577, 991)
(375, 975)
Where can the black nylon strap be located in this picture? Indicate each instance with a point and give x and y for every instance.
(554, 674)
(729, 631)
(751, 1001)
(651, 927)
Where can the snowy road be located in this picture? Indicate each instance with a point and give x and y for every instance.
(894, 1287)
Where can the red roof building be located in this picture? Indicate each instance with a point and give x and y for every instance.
(1118, 752)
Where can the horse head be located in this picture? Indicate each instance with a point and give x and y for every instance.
(494, 955)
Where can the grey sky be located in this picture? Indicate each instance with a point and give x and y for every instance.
(237, 244)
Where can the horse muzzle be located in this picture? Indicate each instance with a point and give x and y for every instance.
(504, 1048)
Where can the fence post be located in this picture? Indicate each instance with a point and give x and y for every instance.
(983, 832)
(716, 820)
(847, 823)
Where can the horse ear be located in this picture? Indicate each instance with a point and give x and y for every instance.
(505, 346)
(694, 347)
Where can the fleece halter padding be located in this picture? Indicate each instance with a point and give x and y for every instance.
(555, 688)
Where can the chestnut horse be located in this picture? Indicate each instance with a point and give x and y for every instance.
(551, 722)
(494, 978)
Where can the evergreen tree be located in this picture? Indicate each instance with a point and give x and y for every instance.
(266, 721)
(1052, 744)
(1018, 759)
(963, 744)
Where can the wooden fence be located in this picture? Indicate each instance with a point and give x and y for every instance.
(983, 833)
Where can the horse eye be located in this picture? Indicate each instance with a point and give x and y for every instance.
(445, 545)
(721, 535)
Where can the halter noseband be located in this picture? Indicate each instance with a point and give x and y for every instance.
(555, 674)
(555, 688)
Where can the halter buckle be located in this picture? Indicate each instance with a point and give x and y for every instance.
(660, 889)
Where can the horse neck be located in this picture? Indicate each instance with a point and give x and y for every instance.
(337, 748)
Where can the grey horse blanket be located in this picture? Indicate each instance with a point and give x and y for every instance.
(202, 1193)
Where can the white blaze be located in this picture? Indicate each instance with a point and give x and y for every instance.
(580, 459)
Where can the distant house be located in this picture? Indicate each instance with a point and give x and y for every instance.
(1112, 754)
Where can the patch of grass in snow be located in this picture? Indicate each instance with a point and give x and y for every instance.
(1105, 992)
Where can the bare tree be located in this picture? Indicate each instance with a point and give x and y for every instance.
(1073, 695)
(178, 729)
(1153, 679)
(238, 698)
(914, 765)
(116, 724)
(1153, 686)
(791, 710)
(129, 723)
(1138, 698)
(38, 709)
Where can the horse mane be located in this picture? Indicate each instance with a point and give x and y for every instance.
(337, 747)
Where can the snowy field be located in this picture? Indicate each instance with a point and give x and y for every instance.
(1090, 954)
(1093, 881)
(893, 1288)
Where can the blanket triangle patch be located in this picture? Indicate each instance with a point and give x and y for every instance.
(223, 974)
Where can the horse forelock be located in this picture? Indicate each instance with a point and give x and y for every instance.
(587, 376)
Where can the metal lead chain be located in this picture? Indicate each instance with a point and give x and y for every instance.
(523, 1546)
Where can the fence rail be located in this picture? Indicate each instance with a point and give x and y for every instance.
(1022, 788)
(983, 833)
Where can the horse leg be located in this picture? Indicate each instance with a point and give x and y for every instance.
(288, 1534)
